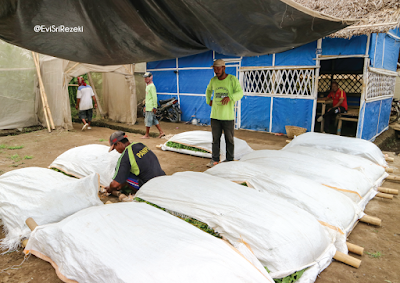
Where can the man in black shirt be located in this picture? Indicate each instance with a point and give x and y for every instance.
(136, 165)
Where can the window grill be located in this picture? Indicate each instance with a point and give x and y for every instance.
(298, 82)
(380, 85)
(350, 83)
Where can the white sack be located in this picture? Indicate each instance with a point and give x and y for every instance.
(347, 145)
(203, 140)
(283, 237)
(326, 204)
(135, 242)
(84, 160)
(372, 171)
(43, 194)
(348, 181)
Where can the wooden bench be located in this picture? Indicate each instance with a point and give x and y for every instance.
(351, 115)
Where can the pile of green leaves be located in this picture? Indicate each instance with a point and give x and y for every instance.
(178, 145)
(291, 278)
(57, 170)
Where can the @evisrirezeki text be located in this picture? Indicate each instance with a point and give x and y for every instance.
(54, 28)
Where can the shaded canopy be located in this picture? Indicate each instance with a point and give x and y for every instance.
(123, 31)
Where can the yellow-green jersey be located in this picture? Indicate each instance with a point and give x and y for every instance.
(228, 87)
(151, 97)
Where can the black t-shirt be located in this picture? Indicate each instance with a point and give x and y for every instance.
(146, 167)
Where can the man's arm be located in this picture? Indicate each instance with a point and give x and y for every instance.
(78, 100)
(94, 99)
(114, 186)
(121, 173)
(339, 102)
(237, 92)
(208, 94)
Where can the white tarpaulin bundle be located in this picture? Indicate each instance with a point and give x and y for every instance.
(84, 160)
(283, 237)
(372, 171)
(328, 206)
(135, 242)
(43, 194)
(347, 145)
(348, 181)
(203, 140)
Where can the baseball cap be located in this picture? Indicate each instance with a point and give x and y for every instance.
(218, 63)
(116, 137)
(147, 75)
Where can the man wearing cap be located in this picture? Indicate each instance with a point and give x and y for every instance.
(84, 98)
(227, 91)
(136, 165)
(151, 106)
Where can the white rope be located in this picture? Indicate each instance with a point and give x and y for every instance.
(15, 266)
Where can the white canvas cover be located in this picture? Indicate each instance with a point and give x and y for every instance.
(372, 171)
(328, 206)
(135, 242)
(347, 145)
(43, 194)
(84, 160)
(283, 237)
(203, 140)
(348, 181)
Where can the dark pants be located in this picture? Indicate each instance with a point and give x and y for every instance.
(217, 126)
(330, 116)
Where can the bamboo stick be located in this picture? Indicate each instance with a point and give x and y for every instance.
(352, 261)
(355, 249)
(99, 108)
(388, 191)
(31, 223)
(288, 141)
(393, 178)
(72, 68)
(24, 243)
(44, 94)
(382, 195)
(371, 220)
(390, 159)
(389, 170)
(41, 94)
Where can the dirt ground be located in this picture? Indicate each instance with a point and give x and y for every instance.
(380, 263)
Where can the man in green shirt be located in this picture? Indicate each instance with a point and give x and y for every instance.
(227, 91)
(151, 106)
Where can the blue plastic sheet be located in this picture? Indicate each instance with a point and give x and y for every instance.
(204, 59)
(300, 56)
(194, 81)
(371, 120)
(255, 113)
(197, 106)
(263, 60)
(165, 81)
(384, 115)
(340, 46)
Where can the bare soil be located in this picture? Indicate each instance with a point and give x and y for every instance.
(40, 148)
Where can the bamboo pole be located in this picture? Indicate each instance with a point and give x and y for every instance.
(71, 68)
(382, 195)
(352, 261)
(393, 178)
(44, 94)
(355, 249)
(371, 220)
(388, 191)
(390, 159)
(288, 141)
(389, 170)
(95, 94)
(31, 223)
(41, 94)
(24, 243)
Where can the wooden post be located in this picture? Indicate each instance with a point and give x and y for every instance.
(41, 93)
(352, 261)
(355, 249)
(389, 170)
(388, 191)
(31, 223)
(393, 178)
(390, 159)
(371, 220)
(382, 195)
(95, 94)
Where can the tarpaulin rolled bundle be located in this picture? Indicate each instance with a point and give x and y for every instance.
(135, 242)
(372, 171)
(43, 194)
(348, 181)
(84, 160)
(282, 236)
(144, 31)
(328, 206)
(199, 143)
(353, 146)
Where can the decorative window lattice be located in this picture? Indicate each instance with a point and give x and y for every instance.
(380, 85)
(282, 82)
(350, 83)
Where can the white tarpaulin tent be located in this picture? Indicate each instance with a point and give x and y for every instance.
(43, 194)
(84, 160)
(283, 237)
(20, 103)
(135, 242)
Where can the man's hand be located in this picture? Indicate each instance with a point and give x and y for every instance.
(154, 110)
(144, 109)
(210, 102)
(95, 105)
(76, 106)
(225, 100)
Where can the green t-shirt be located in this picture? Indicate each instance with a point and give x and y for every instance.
(230, 87)
(151, 97)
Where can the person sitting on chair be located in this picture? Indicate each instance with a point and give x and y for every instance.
(339, 105)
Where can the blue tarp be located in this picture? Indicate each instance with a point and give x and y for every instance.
(300, 56)
(373, 111)
(340, 46)
(255, 113)
(384, 51)
(194, 81)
